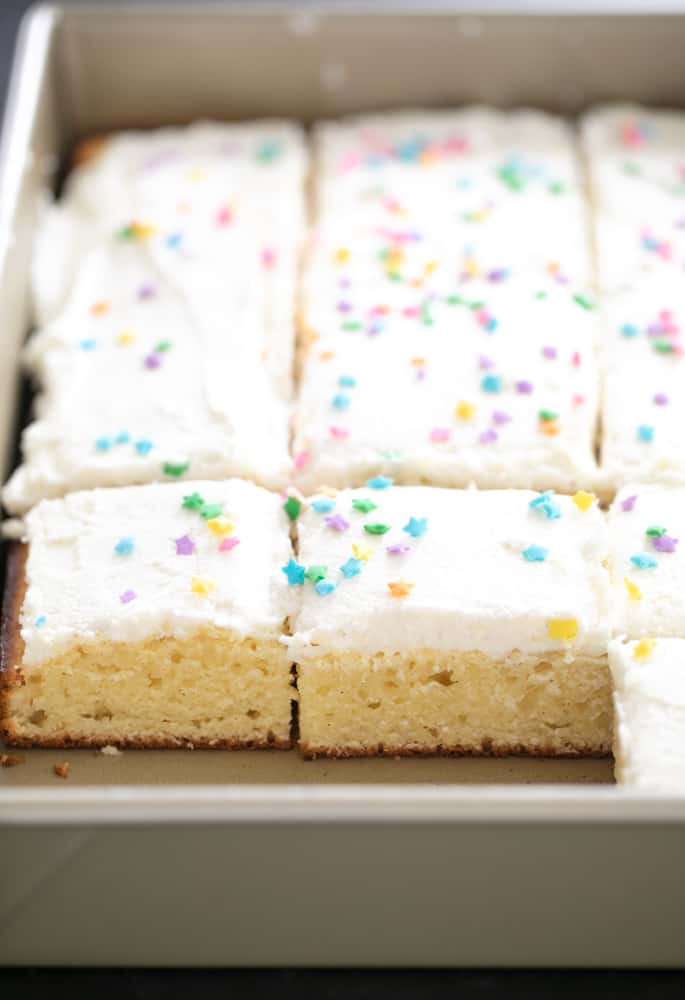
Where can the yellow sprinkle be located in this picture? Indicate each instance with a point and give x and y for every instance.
(465, 410)
(125, 338)
(418, 362)
(431, 266)
(562, 628)
(142, 230)
(342, 255)
(471, 267)
(583, 500)
(197, 174)
(201, 586)
(634, 591)
(361, 552)
(644, 648)
(221, 526)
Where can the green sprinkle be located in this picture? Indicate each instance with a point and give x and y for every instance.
(548, 415)
(268, 152)
(655, 529)
(211, 510)
(454, 300)
(352, 324)
(193, 502)
(426, 317)
(315, 573)
(556, 187)
(126, 233)
(478, 304)
(175, 468)
(162, 346)
(376, 529)
(292, 507)
(662, 346)
(583, 301)
(541, 295)
(365, 506)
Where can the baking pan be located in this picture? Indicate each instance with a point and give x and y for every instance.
(201, 858)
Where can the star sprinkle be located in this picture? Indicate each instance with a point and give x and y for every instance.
(376, 528)
(125, 546)
(643, 560)
(337, 522)
(644, 648)
(491, 383)
(175, 469)
(193, 502)
(645, 432)
(340, 401)
(535, 553)
(628, 504)
(209, 511)
(363, 505)
(664, 543)
(351, 568)
(292, 507)
(143, 446)
(400, 588)
(323, 505)
(416, 526)
(185, 546)
(220, 526)
(634, 591)
(465, 410)
(488, 436)
(201, 585)
(127, 596)
(439, 435)
(228, 543)
(362, 552)
(315, 573)
(40, 621)
(562, 628)
(546, 505)
(325, 587)
(379, 482)
(103, 444)
(398, 548)
(583, 500)
(294, 572)
(347, 382)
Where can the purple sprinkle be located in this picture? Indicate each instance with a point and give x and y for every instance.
(337, 522)
(484, 362)
(398, 548)
(488, 436)
(128, 595)
(344, 283)
(524, 387)
(146, 292)
(420, 374)
(664, 543)
(153, 361)
(549, 352)
(500, 417)
(344, 307)
(629, 503)
(185, 546)
(660, 398)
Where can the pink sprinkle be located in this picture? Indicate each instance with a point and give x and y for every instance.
(524, 387)
(398, 549)
(185, 546)
(153, 361)
(224, 216)
(339, 433)
(228, 543)
(337, 522)
(268, 258)
(488, 436)
(579, 399)
(629, 503)
(500, 417)
(411, 311)
(439, 434)
(301, 459)
(575, 359)
(128, 595)
(549, 352)
(660, 398)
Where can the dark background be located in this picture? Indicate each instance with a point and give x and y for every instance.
(306, 984)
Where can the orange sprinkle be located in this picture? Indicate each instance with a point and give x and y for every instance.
(550, 427)
(100, 307)
(400, 588)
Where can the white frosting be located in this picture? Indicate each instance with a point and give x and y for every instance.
(511, 359)
(660, 611)
(213, 278)
(473, 588)
(636, 159)
(76, 579)
(649, 701)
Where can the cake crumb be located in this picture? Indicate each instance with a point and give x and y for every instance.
(110, 751)
(62, 770)
(10, 760)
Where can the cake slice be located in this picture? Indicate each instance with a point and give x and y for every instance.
(649, 702)
(438, 621)
(647, 561)
(496, 385)
(149, 616)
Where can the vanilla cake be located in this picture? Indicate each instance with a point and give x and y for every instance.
(497, 385)
(150, 616)
(166, 281)
(647, 561)
(649, 701)
(637, 185)
(438, 621)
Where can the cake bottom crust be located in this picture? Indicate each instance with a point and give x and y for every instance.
(209, 689)
(436, 702)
